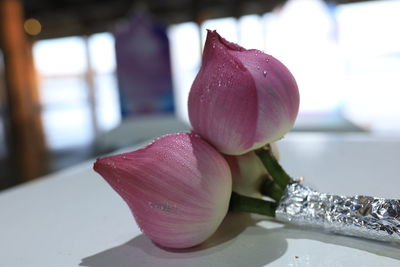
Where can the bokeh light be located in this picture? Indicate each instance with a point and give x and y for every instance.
(32, 26)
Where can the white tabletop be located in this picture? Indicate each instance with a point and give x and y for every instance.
(74, 218)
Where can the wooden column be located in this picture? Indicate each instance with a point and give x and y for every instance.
(25, 136)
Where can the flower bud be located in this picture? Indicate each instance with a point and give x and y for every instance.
(249, 173)
(241, 99)
(178, 188)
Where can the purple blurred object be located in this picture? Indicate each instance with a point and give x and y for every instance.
(143, 66)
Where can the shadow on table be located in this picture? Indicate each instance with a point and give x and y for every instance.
(256, 246)
(224, 248)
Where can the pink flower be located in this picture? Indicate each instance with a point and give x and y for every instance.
(178, 188)
(241, 99)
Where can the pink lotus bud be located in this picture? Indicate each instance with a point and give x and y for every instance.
(248, 172)
(178, 188)
(241, 99)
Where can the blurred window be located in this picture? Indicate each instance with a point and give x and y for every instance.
(67, 68)
(370, 43)
(102, 55)
(185, 60)
(254, 38)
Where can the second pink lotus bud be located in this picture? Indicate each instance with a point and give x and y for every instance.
(241, 99)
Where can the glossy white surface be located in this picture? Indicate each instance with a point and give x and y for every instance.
(74, 218)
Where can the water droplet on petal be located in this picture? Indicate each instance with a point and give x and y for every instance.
(265, 73)
(195, 135)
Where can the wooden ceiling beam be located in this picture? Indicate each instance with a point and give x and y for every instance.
(81, 17)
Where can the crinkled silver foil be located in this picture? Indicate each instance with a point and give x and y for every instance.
(362, 216)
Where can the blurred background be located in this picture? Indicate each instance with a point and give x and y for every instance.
(81, 78)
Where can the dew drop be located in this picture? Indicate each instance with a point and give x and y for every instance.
(219, 83)
(265, 73)
(258, 67)
(195, 135)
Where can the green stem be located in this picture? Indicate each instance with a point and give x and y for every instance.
(270, 188)
(252, 205)
(273, 167)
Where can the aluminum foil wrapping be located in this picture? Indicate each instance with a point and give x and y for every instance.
(362, 216)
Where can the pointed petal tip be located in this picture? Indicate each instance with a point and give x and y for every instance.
(103, 165)
(97, 164)
(211, 31)
(214, 37)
